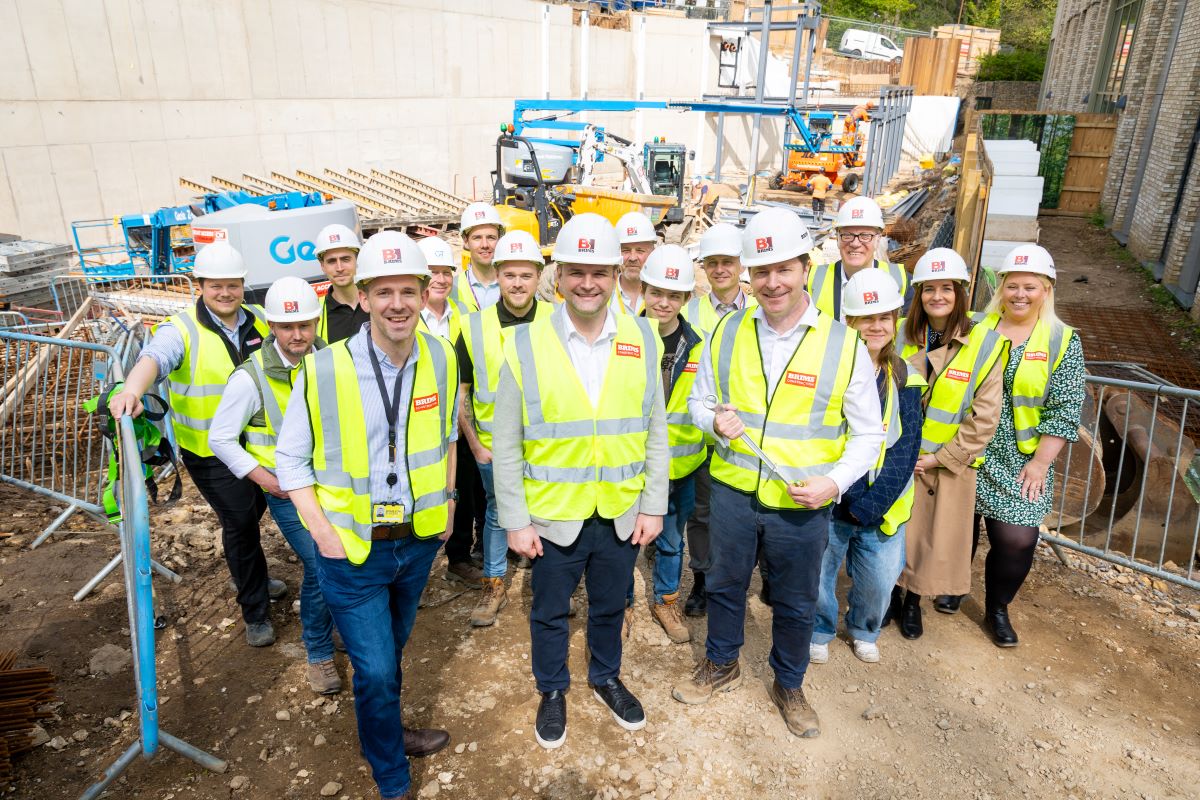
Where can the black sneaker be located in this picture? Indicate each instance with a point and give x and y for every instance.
(550, 730)
(625, 708)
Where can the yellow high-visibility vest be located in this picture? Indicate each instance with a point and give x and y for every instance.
(952, 392)
(684, 438)
(800, 426)
(702, 315)
(1044, 351)
(457, 312)
(581, 460)
(824, 286)
(901, 510)
(484, 338)
(196, 385)
(340, 453)
(462, 293)
(262, 431)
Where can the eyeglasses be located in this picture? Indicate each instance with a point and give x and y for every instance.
(865, 238)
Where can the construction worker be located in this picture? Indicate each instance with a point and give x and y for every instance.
(196, 350)
(337, 253)
(867, 529)
(475, 288)
(859, 228)
(819, 184)
(480, 349)
(800, 386)
(964, 367)
(441, 314)
(721, 258)
(252, 408)
(668, 278)
(581, 467)
(636, 233)
(366, 455)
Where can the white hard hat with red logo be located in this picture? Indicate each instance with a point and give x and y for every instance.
(390, 253)
(219, 261)
(336, 236)
(670, 267)
(870, 291)
(518, 246)
(721, 239)
(635, 227)
(774, 235)
(1028, 258)
(480, 214)
(437, 252)
(587, 238)
(859, 212)
(291, 299)
(941, 264)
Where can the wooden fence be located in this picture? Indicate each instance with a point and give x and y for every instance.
(970, 211)
(930, 66)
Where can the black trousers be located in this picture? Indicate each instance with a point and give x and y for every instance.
(818, 207)
(470, 509)
(239, 504)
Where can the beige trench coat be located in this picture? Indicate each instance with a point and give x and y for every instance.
(939, 535)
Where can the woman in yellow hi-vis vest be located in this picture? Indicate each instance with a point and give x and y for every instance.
(867, 529)
(1043, 398)
(963, 367)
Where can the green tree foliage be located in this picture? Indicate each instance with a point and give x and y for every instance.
(1025, 24)
(1018, 65)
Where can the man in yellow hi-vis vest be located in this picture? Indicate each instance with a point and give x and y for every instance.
(580, 460)
(195, 351)
(859, 229)
(337, 253)
(789, 392)
(366, 454)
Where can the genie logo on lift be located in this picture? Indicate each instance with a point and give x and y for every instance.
(283, 251)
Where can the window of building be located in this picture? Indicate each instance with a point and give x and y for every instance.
(1119, 39)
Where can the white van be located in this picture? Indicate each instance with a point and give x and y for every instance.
(870, 46)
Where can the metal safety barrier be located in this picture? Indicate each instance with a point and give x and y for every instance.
(885, 137)
(155, 295)
(1129, 491)
(135, 549)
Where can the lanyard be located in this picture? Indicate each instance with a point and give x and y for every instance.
(391, 408)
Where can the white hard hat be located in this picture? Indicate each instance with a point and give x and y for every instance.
(774, 235)
(335, 236)
(437, 252)
(721, 239)
(480, 214)
(518, 246)
(941, 263)
(870, 291)
(389, 253)
(670, 267)
(219, 260)
(587, 238)
(859, 212)
(291, 299)
(1028, 258)
(635, 227)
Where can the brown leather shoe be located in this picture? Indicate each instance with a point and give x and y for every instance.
(492, 599)
(323, 677)
(465, 573)
(800, 717)
(670, 617)
(421, 742)
(708, 679)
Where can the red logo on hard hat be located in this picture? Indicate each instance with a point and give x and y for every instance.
(391, 255)
(672, 272)
(631, 231)
(480, 214)
(290, 306)
(856, 213)
(1020, 259)
(631, 350)
(516, 247)
(763, 244)
(937, 266)
(870, 297)
(335, 237)
(586, 246)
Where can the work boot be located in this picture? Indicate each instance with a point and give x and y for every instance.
(667, 615)
(996, 622)
(323, 677)
(276, 589)
(421, 742)
(948, 603)
(466, 573)
(627, 625)
(260, 634)
(800, 717)
(696, 604)
(893, 609)
(493, 598)
(708, 679)
(910, 617)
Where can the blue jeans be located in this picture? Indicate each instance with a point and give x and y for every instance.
(874, 562)
(792, 545)
(374, 605)
(668, 561)
(315, 621)
(495, 540)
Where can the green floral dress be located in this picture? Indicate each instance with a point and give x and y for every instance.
(998, 493)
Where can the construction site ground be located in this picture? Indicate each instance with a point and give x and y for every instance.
(1099, 700)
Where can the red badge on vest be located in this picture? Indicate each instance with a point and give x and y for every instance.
(425, 403)
(631, 350)
(801, 379)
(958, 375)
(690, 366)
(1037, 355)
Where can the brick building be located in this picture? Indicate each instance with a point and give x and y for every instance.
(1140, 59)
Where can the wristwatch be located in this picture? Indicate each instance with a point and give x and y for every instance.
(454, 495)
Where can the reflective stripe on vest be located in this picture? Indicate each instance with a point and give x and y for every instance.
(801, 427)
(685, 440)
(462, 294)
(1044, 351)
(702, 315)
(953, 390)
(260, 440)
(340, 452)
(454, 326)
(823, 277)
(196, 385)
(581, 460)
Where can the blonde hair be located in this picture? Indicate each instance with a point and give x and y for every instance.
(1047, 313)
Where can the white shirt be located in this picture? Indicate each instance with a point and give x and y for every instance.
(632, 305)
(590, 360)
(739, 301)
(238, 404)
(439, 326)
(860, 404)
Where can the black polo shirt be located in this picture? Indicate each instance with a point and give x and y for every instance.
(344, 320)
(466, 369)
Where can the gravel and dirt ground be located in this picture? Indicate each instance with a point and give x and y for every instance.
(1099, 701)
